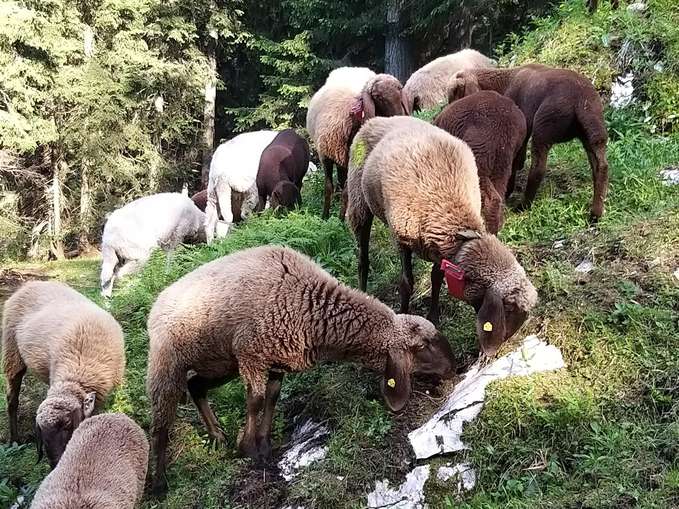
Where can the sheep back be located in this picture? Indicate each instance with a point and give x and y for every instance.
(493, 127)
(159, 220)
(61, 335)
(418, 179)
(428, 86)
(104, 465)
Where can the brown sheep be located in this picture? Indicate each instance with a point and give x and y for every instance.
(559, 105)
(264, 312)
(495, 129)
(423, 183)
(282, 167)
(68, 342)
(103, 466)
(335, 114)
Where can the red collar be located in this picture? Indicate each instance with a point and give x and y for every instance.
(454, 275)
(358, 111)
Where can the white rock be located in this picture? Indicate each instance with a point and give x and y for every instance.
(670, 176)
(307, 448)
(622, 91)
(443, 432)
(466, 476)
(312, 167)
(659, 67)
(409, 495)
(558, 244)
(676, 273)
(637, 7)
(585, 266)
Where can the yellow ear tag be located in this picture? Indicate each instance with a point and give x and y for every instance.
(391, 383)
(488, 327)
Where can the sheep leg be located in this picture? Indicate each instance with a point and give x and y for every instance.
(517, 166)
(273, 390)
(539, 155)
(492, 204)
(405, 288)
(328, 168)
(436, 282)
(255, 401)
(109, 262)
(599, 165)
(13, 388)
(363, 247)
(344, 194)
(198, 387)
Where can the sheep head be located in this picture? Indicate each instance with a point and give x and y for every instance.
(417, 349)
(461, 85)
(498, 289)
(57, 418)
(383, 97)
(286, 195)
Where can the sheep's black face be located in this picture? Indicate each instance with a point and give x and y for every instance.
(54, 437)
(285, 195)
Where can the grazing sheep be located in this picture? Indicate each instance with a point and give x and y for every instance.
(428, 86)
(337, 111)
(68, 342)
(559, 105)
(422, 182)
(103, 466)
(282, 167)
(132, 232)
(233, 169)
(261, 313)
(495, 129)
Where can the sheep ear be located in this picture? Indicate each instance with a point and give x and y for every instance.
(405, 101)
(396, 387)
(368, 105)
(490, 323)
(37, 432)
(88, 404)
(468, 235)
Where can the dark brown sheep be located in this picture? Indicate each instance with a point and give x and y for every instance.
(495, 129)
(559, 105)
(282, 167)
(263, 312)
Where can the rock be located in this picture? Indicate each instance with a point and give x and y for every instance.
(466, 475)
(676, 273)
(307, 447)
(670, 176)
(409, 495)
(585, 266)
(637, 7)
(443, 432)
(622, 91)
(558, 244)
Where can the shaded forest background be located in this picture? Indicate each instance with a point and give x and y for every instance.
(102, 101)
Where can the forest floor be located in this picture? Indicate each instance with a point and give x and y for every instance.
(603, 432)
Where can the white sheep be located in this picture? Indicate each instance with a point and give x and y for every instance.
(428, 86)
(132, 232)
(68, 342)
(233, 169)
(103, 466)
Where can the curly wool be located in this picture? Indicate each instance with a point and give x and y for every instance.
(104, 465)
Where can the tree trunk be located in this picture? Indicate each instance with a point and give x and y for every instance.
(85, 208)
(397, 50)
(209, 108)
(58, 167)
(85, 199)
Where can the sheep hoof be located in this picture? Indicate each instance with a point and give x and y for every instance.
(217, 436)
(159, 488)
(433, 318)
(594, 218)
